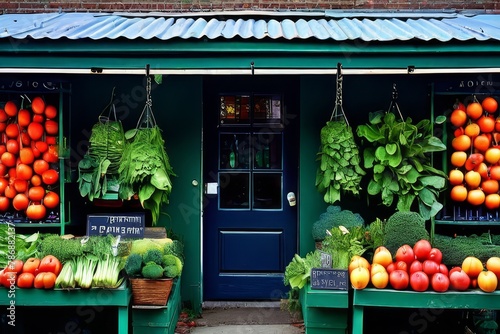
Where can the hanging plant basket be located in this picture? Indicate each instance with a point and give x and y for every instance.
(151, 291)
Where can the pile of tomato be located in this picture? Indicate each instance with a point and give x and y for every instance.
(33, 273)
(419, 268)
(29, 155)
(476, 153)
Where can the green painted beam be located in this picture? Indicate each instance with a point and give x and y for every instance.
(242, 61)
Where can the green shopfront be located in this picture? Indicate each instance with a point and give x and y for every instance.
(237, 167)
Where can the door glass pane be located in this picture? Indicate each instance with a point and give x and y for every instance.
(267, 190)
(267, 150)
(234, 109)
(234, 151)
(267, 109)
(234, 190)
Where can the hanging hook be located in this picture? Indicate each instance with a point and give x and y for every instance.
(339, 71)
(147, 70)
(252, 67)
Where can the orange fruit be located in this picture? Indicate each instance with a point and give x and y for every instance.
(472, 266)
(486, 123)
(490, 186)
(473, 161)
(358, 261)
(474, 110)
(458, 117)
(492, 155)
(461, 143)
(492, 201)
(476, 197)
(472, 179)
(483, 170)
(482, 142)
(493, 264)
(458, 158)
(495, 172)
(458, 193)
(472, 130)
(359, 278)
(489, 104)
(456, 177)
(487, 281)
(382, 256)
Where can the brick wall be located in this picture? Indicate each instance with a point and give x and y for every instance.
(32, 6)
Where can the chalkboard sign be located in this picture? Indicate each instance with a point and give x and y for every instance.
(329, 279)
(126, 225)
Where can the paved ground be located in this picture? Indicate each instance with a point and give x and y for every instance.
(246, 318)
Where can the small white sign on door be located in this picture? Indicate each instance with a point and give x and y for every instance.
(211, 188)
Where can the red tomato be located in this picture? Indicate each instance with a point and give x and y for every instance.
(38, 118)
(36, 211)
(10, 108)
(36, 180)
(430, 267)
(459, 280)
(419, 281)
(12, 130)
(51, 127)
(51, 200)
(440, 282)
(4, 203)
(8, 279)
(12, 146)
(3, 116)
(8, 159)
(51, 140)
(405, 253)
(35, 130)
(50, 157)
(40, 166)
(31, 265)
(2, 148)
(15, 266)
(25, 139)
(443, 269)
(41, 146)
(26, 155)
(45, 280)
(10, 191)
(391, 267)
(23, 117)
(38, 105)
(3, 184)
(20, 202)
(435, 255)
(36, 193)
(401, 265)
(20, 185)
(50, 111)
(422, 248)
(25, 280)
(50, 264)
(399, 279)
(24, 172)
(415, 266)
(50, 176)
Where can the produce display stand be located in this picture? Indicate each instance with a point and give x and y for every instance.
(370, 297)
(158, 319)
(119, 297)
(324, 311)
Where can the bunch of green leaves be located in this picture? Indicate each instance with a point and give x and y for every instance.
(298, 271)
(344, 243)
(98, 168)
(16, 245)
(400, 159)
(339, 169)
(145, 170)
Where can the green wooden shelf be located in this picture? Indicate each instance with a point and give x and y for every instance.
(470, 299)
(119, 298)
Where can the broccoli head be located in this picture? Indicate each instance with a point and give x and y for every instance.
(172, 265)
(133, 264)
(404, 227)
(152, 255)
(140, 246)
(334, 216)
(176, 247)
(152, 270)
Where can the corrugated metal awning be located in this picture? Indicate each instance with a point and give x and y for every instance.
(331, 25)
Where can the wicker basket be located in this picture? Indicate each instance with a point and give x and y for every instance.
(150, 291)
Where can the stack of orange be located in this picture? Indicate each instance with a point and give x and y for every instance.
(476, 156)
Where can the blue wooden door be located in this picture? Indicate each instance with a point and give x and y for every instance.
(250, 167)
